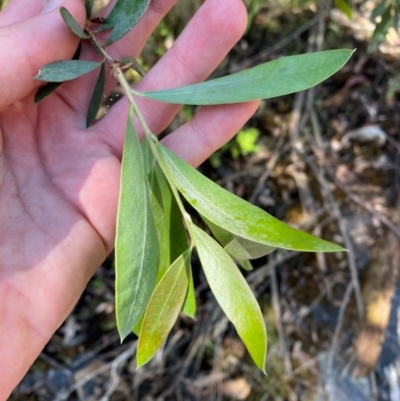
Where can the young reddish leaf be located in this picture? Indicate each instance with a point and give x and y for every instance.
(234, 214)
(137, 249)
(233, 295)
(72, 23)
(61, 71)
(97, 97)
(163, 309)
(275, 78)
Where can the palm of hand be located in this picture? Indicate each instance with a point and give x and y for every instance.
(59, 181)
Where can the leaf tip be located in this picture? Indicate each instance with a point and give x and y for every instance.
(123, 333)
(141, 360)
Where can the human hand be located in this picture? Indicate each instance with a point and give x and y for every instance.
(59, 182)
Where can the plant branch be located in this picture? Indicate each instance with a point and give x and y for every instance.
(149, 136)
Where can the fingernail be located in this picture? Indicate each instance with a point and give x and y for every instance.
(52, 5)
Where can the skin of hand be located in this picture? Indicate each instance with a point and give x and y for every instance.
(59, 182)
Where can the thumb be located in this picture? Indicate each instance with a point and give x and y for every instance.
(28, 45)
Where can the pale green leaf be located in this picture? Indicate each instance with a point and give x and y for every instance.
(72, 23)
(275, 78)
(137, 248)
(235, 215)
(243, 249)
(61, 71)
(246, 265)
(163, 309)
(224, 238)
(233, 294)
(189, 306)
(239, 248)
(123, 17)
(171, 232)
(97, 97)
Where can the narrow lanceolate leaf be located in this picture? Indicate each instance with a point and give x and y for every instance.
(46, 90)
(136, 249)
(89, 8)
(130, 62)
(50, 87)
(97, 97)
(148, 158)
(246, 264)
(233, 294)
(72, 23)
(123, 17)
(224, 238)
(382, 28)
(163, 309)
(61, 71)
(235, 215)
(275, 78)
(189, 306)
(239, 248)
(243, 249)
(168, 219)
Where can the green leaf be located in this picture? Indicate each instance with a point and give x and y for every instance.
(61, 71)
(382, 28)
(224, 238)
(246, 265)
(171, 232)
(50, 87)
(134, 64)
(97, 97)
(148, 158)
(72, 23)
(243, 249)
(170, 229)
(89, 8)
(163, 309)
(345, 8)
(46, 90)
(275, 78)
(189, 306)
(233, 294)
(378, 10)
(137, 248)
(123, 17)
(138, 325)
(235, 215)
